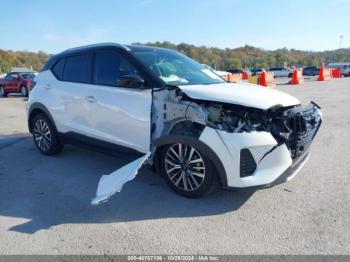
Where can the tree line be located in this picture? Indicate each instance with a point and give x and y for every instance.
(9, 59)
(252, 57)
(221, 59)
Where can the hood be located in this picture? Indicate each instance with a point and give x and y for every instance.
(243, 94)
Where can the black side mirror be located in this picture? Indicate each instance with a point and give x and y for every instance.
(131, 81)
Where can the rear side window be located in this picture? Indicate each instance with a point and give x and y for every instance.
(76, 69)
(109, 66)
(58, 69)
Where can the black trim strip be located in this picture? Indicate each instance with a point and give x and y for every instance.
(101, 146)
(41, 107)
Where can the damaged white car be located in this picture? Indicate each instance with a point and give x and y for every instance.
(159, 107)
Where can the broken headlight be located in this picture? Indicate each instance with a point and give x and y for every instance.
(235, 119)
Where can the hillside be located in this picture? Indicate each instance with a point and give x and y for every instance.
(10, 59)
(247, 56)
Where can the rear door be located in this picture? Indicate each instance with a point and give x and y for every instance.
(69, 92)
(118, 114)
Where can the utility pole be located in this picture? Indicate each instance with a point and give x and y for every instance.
(341, 41)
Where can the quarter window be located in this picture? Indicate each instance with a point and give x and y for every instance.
(58, 69)
(109, 66)
(76, 69)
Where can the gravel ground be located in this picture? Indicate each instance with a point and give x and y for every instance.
(44, 201)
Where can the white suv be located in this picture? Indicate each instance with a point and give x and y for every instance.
(281, 71)
(160, 107)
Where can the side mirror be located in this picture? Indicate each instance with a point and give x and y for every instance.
(131, 81)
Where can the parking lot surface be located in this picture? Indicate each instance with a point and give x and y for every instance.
(45, 201)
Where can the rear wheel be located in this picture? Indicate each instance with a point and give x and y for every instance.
(24, 91)
(45, 135)
(187, 170)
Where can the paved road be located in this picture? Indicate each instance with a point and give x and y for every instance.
(44, 201)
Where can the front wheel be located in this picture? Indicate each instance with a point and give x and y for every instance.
(2, 92)
(45, 135)
(187, 170)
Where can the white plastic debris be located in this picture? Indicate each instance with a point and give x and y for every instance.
(113, 183)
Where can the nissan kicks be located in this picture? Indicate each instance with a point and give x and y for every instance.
(158, 107)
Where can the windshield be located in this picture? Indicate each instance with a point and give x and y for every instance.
(177, 69)
(27, 75)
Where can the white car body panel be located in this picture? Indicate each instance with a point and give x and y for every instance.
(243, 94)
(113, 183)
(227, 146)
(103, 118)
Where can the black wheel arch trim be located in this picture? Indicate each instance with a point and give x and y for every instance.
(41, 107)
(205, 149)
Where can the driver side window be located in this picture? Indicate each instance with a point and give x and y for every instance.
(109, 66)
(9, 77)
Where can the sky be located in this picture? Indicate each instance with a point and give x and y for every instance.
(53, 26)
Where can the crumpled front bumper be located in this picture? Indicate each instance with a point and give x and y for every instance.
(272, 160)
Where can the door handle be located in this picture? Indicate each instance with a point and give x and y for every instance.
(90, 99)
(48, 86)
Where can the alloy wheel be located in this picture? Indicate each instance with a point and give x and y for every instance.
(42, 135)
(2, 92)
(23, 91)
(185, 167)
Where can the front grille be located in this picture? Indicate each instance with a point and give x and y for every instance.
(304, 123)
(247, 163)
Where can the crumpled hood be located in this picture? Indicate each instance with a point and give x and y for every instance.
(243, 94)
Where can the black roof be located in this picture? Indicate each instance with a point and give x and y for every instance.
(96, 47)
(133, 48)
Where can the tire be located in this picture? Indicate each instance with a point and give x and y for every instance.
(2, 92)
(24, 91)
(188, 179)
(45, 135)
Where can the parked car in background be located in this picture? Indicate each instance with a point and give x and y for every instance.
(16, 82)
(239, 71)
(245, 72)
(344, 68)
(222, 74)
(311, 71)
(281, 71)
(165, 109)
(257, 71)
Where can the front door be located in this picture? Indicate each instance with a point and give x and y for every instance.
(118, 114)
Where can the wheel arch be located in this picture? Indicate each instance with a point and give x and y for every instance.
(195, 142)
(38, 108)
